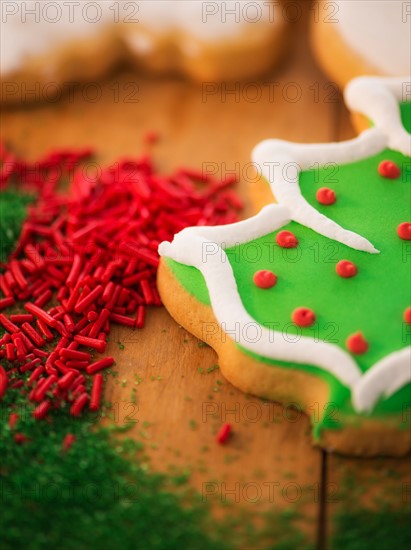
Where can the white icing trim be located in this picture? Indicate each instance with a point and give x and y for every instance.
(383, 379)
(193, 247)
(241, 232)
(377, 98)
(281, 162)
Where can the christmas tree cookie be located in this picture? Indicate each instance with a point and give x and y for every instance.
(308, 302)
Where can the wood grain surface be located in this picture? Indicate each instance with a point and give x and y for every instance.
(269, 463)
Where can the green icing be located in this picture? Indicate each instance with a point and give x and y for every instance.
(192, 280)
(372, 302)
(405, 109)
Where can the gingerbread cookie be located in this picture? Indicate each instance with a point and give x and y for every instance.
(308, 302)
(45, 47)
(365, 37)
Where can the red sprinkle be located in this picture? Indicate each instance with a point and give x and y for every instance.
(45, 387)
(21, 318)
(326, 196)
(303, 317)
(74, 272)
(404, 231)
(66, 381)
(20, 438)
(388, 169)
(264, 278)
(79, 404)
(21, 352)
(10, 355)
(35, 374)
(356, 343)
(92, 316)
(151, 137)
(13, 419)
(17, 274)
(224, 433)
(141, 312)
(346, 269)
(41, 410)
(89, 299)
(100, 365)
(286, 239)
(74, 354)
(40, 353)
(122, 320)
(6, 302)
(3, 382)
(407, 315)
(74, 364)
(41, 314)
(99, 323)
(96, 392)
(68, 441)
(147, 293)
(33, 335)
(79, 381)
(8, 325)
(90, 342)
(44, 298)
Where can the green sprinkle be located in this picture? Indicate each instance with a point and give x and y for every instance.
(213, 368)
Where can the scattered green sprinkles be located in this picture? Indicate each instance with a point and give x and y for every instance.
(212, 369)
(13, 208)
(381, 529)
(201, 344)
(193, 424)
(97, 494)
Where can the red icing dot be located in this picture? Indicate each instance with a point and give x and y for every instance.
(286, 239)
(404, 231)
(407, 315)
(264, 278)
(326, 196)
(388, 169)
(356, 343)
(303, 317)
(346, 269)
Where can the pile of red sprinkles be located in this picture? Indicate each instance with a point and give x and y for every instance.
(86, 259)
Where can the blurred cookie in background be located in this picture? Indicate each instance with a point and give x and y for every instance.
(365, 37)
(47, 47)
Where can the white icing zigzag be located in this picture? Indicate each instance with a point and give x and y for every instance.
(202, 247)
(276, 159)
(378, 98)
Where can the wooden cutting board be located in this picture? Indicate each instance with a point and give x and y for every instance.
(167, 383)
